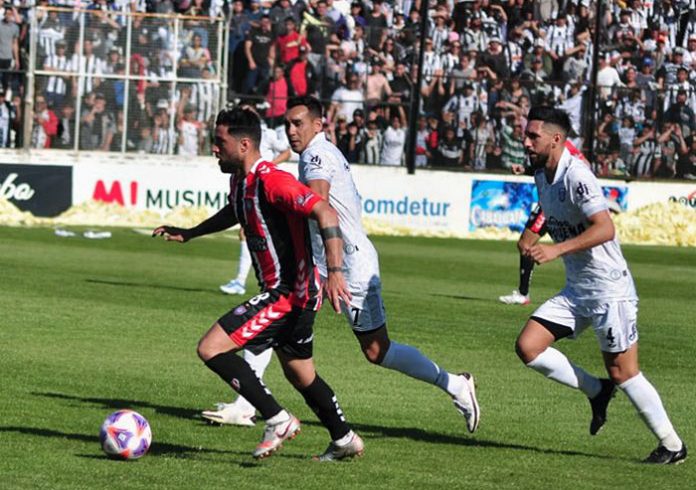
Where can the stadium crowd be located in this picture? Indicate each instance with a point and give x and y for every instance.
(485, 62)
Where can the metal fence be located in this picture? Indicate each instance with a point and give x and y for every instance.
(124, 82)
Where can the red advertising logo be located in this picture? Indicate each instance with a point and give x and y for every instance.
(115, 193)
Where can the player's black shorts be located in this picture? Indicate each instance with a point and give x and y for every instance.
(270, 320)
(536, 222)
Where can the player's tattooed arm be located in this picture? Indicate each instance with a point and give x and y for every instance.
(336, 287)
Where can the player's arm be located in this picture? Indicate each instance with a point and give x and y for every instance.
(336, 288)
(601, 230)
(283, 156)
(223, 219)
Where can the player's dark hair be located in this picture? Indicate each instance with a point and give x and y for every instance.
(312, 103)
(241, 122)
(550, 115)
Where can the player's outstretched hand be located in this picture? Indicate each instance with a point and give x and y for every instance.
(172, 233)
(337, 290)
(543, 253)
(517, 169)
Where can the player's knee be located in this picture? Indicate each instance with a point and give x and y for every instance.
(374, 353)
(206, 350)
(525, 350)
(621, 374)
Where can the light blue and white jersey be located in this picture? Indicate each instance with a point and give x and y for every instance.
(599, 274)
(322, 160)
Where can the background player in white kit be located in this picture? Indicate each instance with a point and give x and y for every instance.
(323, 168)
(599, 288)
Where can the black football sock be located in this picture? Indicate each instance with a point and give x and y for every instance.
(237, 373)
(322, 400)
(526, 269)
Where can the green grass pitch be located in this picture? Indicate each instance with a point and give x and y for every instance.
(88, 326)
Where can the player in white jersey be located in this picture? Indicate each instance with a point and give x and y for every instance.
(324, 169)
(599, 289)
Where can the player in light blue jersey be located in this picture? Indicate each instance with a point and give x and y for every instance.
(599, 290)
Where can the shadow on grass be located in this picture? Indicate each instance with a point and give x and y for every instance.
(118, 403)
(369, 431)
(459, 296)
(157, 448)
(150, 286)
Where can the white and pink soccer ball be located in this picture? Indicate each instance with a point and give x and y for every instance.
(125, 434)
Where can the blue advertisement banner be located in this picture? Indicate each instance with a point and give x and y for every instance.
(507, 204)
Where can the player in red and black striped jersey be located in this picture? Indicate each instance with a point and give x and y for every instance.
(534, 229)
(273, 208)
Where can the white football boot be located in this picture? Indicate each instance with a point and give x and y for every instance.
(354, 448)
(233, 287)
(275, 434)
(230, 414)
(516, 298)
(465, 402)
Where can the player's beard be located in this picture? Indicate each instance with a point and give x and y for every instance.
(537, 160)
(227, 166)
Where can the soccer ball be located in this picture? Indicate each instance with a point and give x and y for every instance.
(125, 434)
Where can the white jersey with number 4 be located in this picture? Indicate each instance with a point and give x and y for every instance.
(322, 160)
(599, 274)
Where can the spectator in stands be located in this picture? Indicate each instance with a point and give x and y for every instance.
(301, 77)
(377, 25)
(450, 148)
(97, 125)
(394, 139)
(672, 145)
(45, 124)
(481, 138)
(9, 46)
(513, 149)
(687, 164)
(681, 115)
(289, 43)
(279, 14)
(276, 97)
(495, 59)
(260, 55)
(627, 135)
(462, 105)
(351, 143)
(346, 99)
(89, 64)
(194, 58)
(575, 65)
(51, 31)
(377, 87)
(65, 137)
(373, 144)
(57, 85)
(7, 118)
(163, 136)
(644, 146)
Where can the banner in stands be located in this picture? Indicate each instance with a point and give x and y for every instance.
(506, 204)
(43, 190)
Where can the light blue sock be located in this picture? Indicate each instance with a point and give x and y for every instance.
(412, 362)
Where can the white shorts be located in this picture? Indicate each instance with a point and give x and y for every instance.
(614, 322)
(366, 310)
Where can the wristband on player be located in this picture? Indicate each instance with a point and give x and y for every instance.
(330, 232)
(334, 269)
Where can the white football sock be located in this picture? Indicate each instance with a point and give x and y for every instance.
(278, 418)
(244, 262)
(345, 439)
(258, 363)
(555, 365)
(411, 361)
(649, 405)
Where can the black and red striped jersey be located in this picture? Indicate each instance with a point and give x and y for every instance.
(273, 207)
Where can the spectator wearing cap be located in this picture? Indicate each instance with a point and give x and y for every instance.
(260, 55)
(377, 87)
(667, 74)
(463, 105)
(57, 85)
(645, 80)
(301, 77)
(289, 44)
(539, 51)
(346, 99)
(495, 59)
